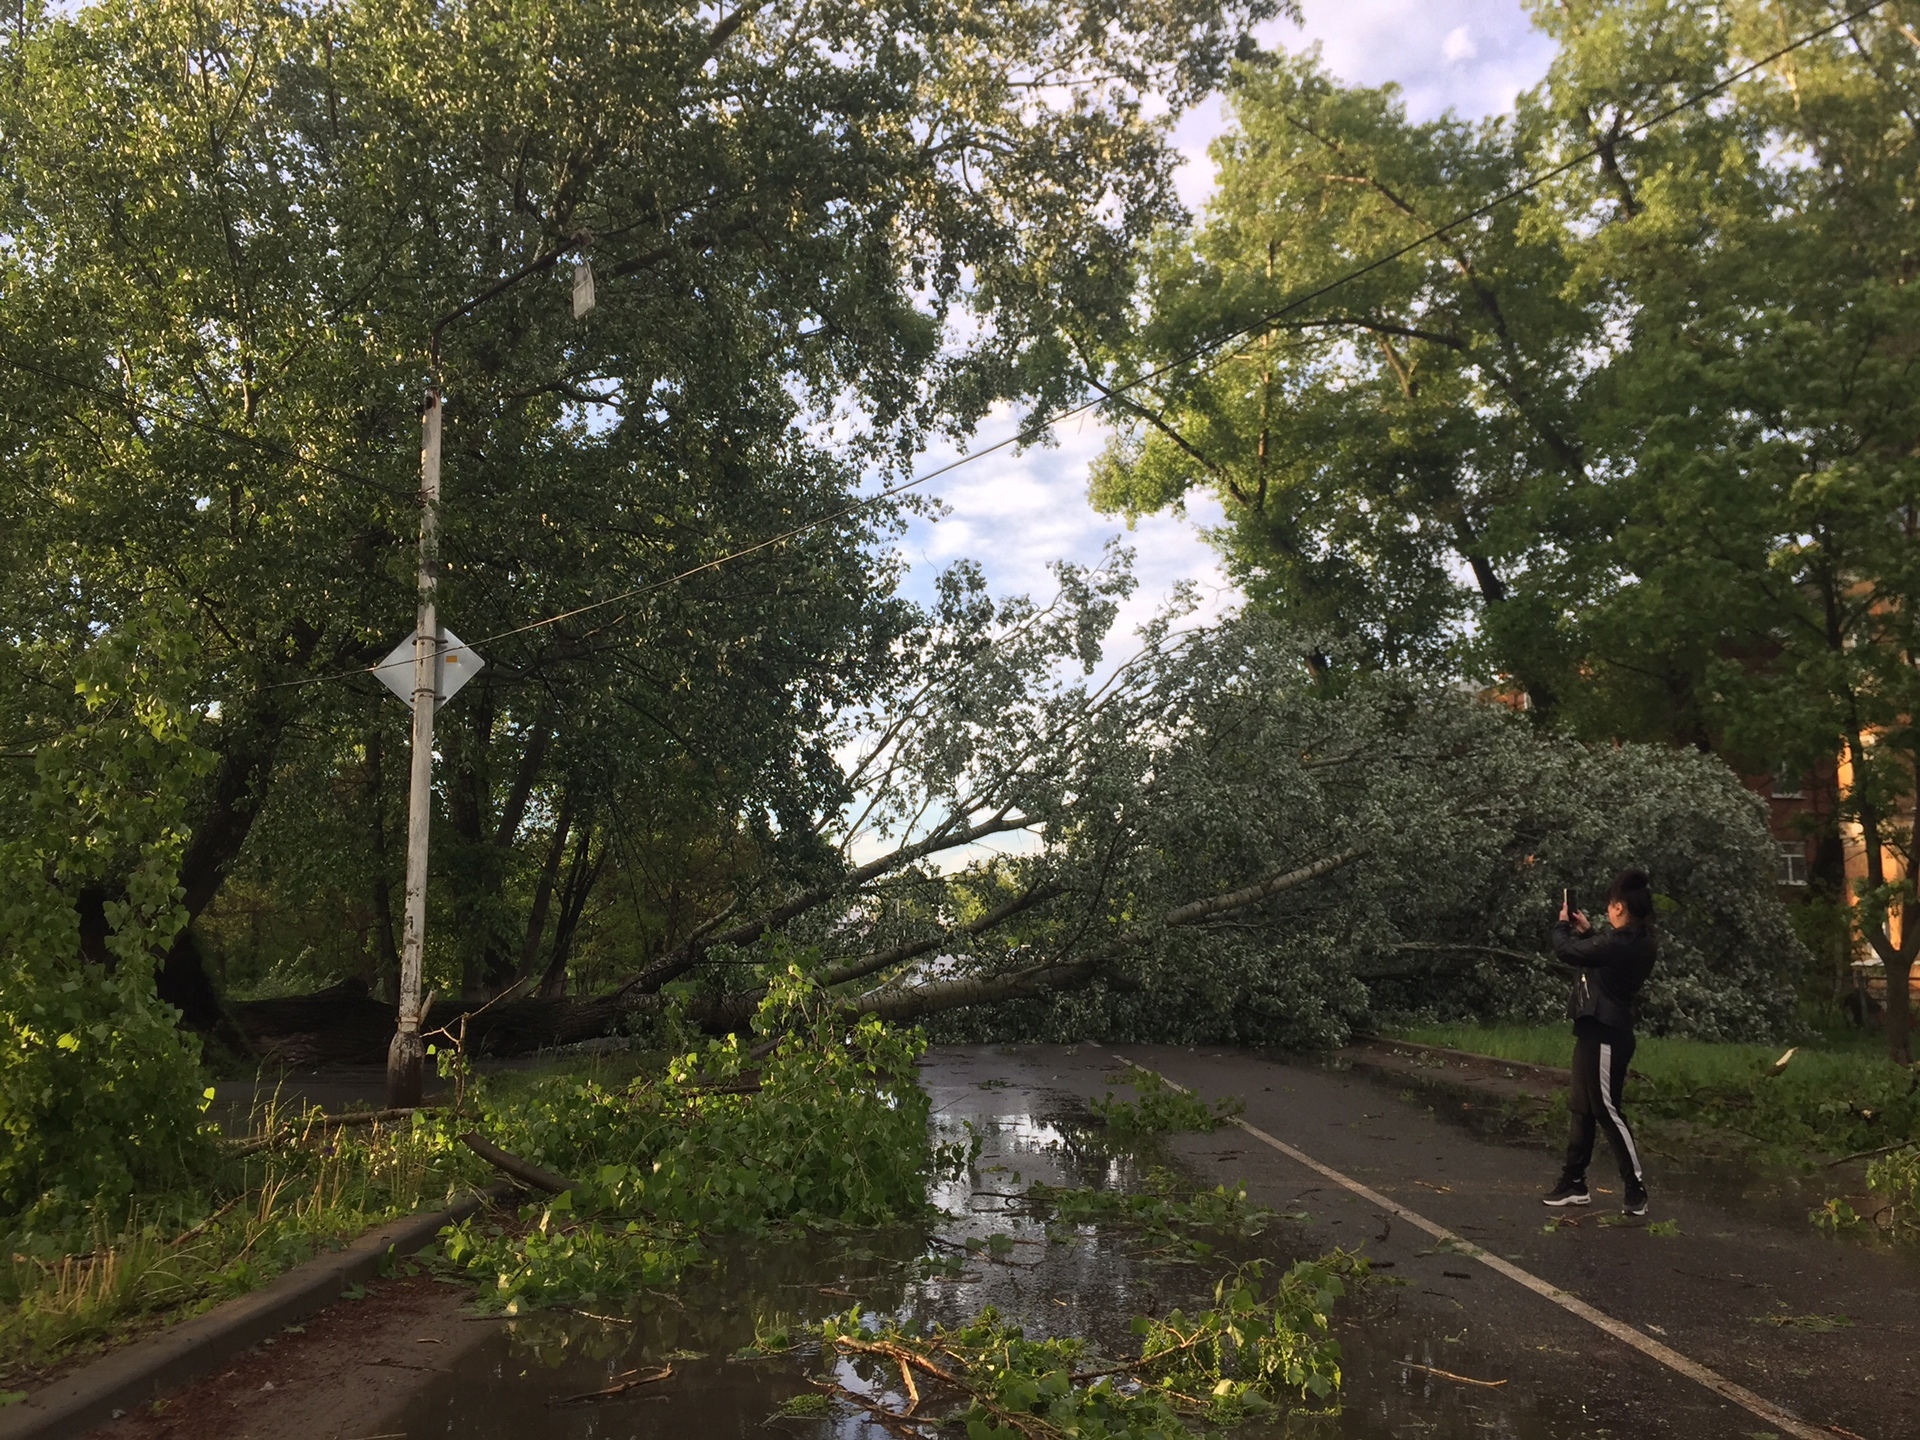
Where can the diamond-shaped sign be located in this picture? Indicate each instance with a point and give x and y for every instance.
(453, 667)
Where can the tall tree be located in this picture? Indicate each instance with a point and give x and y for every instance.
(1383, 446)
(1760, 408)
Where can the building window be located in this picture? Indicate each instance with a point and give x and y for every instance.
(1788, 785)
(1793, 862)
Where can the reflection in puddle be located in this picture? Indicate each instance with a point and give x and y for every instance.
(760, 1297)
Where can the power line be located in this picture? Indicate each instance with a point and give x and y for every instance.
(1198, 353)
(1525, 187)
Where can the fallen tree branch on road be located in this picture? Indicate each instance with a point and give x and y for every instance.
(913, 1002)
(1198, 910)
(526, 1172)
(620, 1388)
(865, 965)
(1449, 1375)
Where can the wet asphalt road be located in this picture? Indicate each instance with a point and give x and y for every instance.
(1743, 1259)
(1828, 1329)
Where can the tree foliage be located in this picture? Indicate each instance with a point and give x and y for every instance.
(1219, 847)
(99, 1089)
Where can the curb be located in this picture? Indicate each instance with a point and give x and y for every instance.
(1556, 1076)
(147, 1369)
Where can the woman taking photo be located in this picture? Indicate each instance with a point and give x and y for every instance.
(1610, 967)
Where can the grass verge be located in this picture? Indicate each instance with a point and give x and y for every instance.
(116, 1273)
(1830, 1100)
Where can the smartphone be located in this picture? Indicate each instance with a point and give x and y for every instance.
(1572, 905)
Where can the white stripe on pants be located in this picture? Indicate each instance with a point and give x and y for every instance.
(1613, 1111)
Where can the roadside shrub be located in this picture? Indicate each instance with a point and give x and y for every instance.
(100, 1092)
(832, 1129)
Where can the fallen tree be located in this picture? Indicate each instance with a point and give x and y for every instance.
(1213, 844)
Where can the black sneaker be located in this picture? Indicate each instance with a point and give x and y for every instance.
(1567, 1192)
(1636, 1200)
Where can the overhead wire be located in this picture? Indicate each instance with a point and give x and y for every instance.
(1107, 395)
(1200, 352)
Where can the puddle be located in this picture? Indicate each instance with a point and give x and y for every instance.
(517, 1384)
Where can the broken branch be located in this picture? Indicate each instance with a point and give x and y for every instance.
(524, 1171)
(1449, 1375)
(1253, 894)
(621, 1388)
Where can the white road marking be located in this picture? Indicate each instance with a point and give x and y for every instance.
(1572, 1304)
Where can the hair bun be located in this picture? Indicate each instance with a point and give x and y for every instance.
(1635, 891)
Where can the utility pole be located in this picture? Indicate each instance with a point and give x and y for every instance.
(407, 1054)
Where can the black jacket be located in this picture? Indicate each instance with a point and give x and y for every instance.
(1612, 966)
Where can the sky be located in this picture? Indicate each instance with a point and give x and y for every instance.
(1015, 513)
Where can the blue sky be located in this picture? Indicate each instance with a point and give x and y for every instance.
(1015, 513)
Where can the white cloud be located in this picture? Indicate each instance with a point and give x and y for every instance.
(1473, 57)
(1459, 46)
(1470, 56)
(1015, 514)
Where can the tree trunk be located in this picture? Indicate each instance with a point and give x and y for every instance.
(491, 943)
(1899, 1020)
(283, 1027)
(1900, 965)
(343, 1025)
(581, 875)
(182, 981)
(1878, 924)
(241, 779)
(248, 745)
(466, 856)
(543, 891)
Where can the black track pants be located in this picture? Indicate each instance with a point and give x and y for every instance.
(1599, 1076)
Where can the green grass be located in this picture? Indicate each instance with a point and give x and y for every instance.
(1692, 1062)
(1836, 1096)
(112, 1275)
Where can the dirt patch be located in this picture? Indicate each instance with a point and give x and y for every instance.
(338, 1377)
(1456, 1069)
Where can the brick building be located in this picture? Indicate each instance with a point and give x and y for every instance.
(1813, 844)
